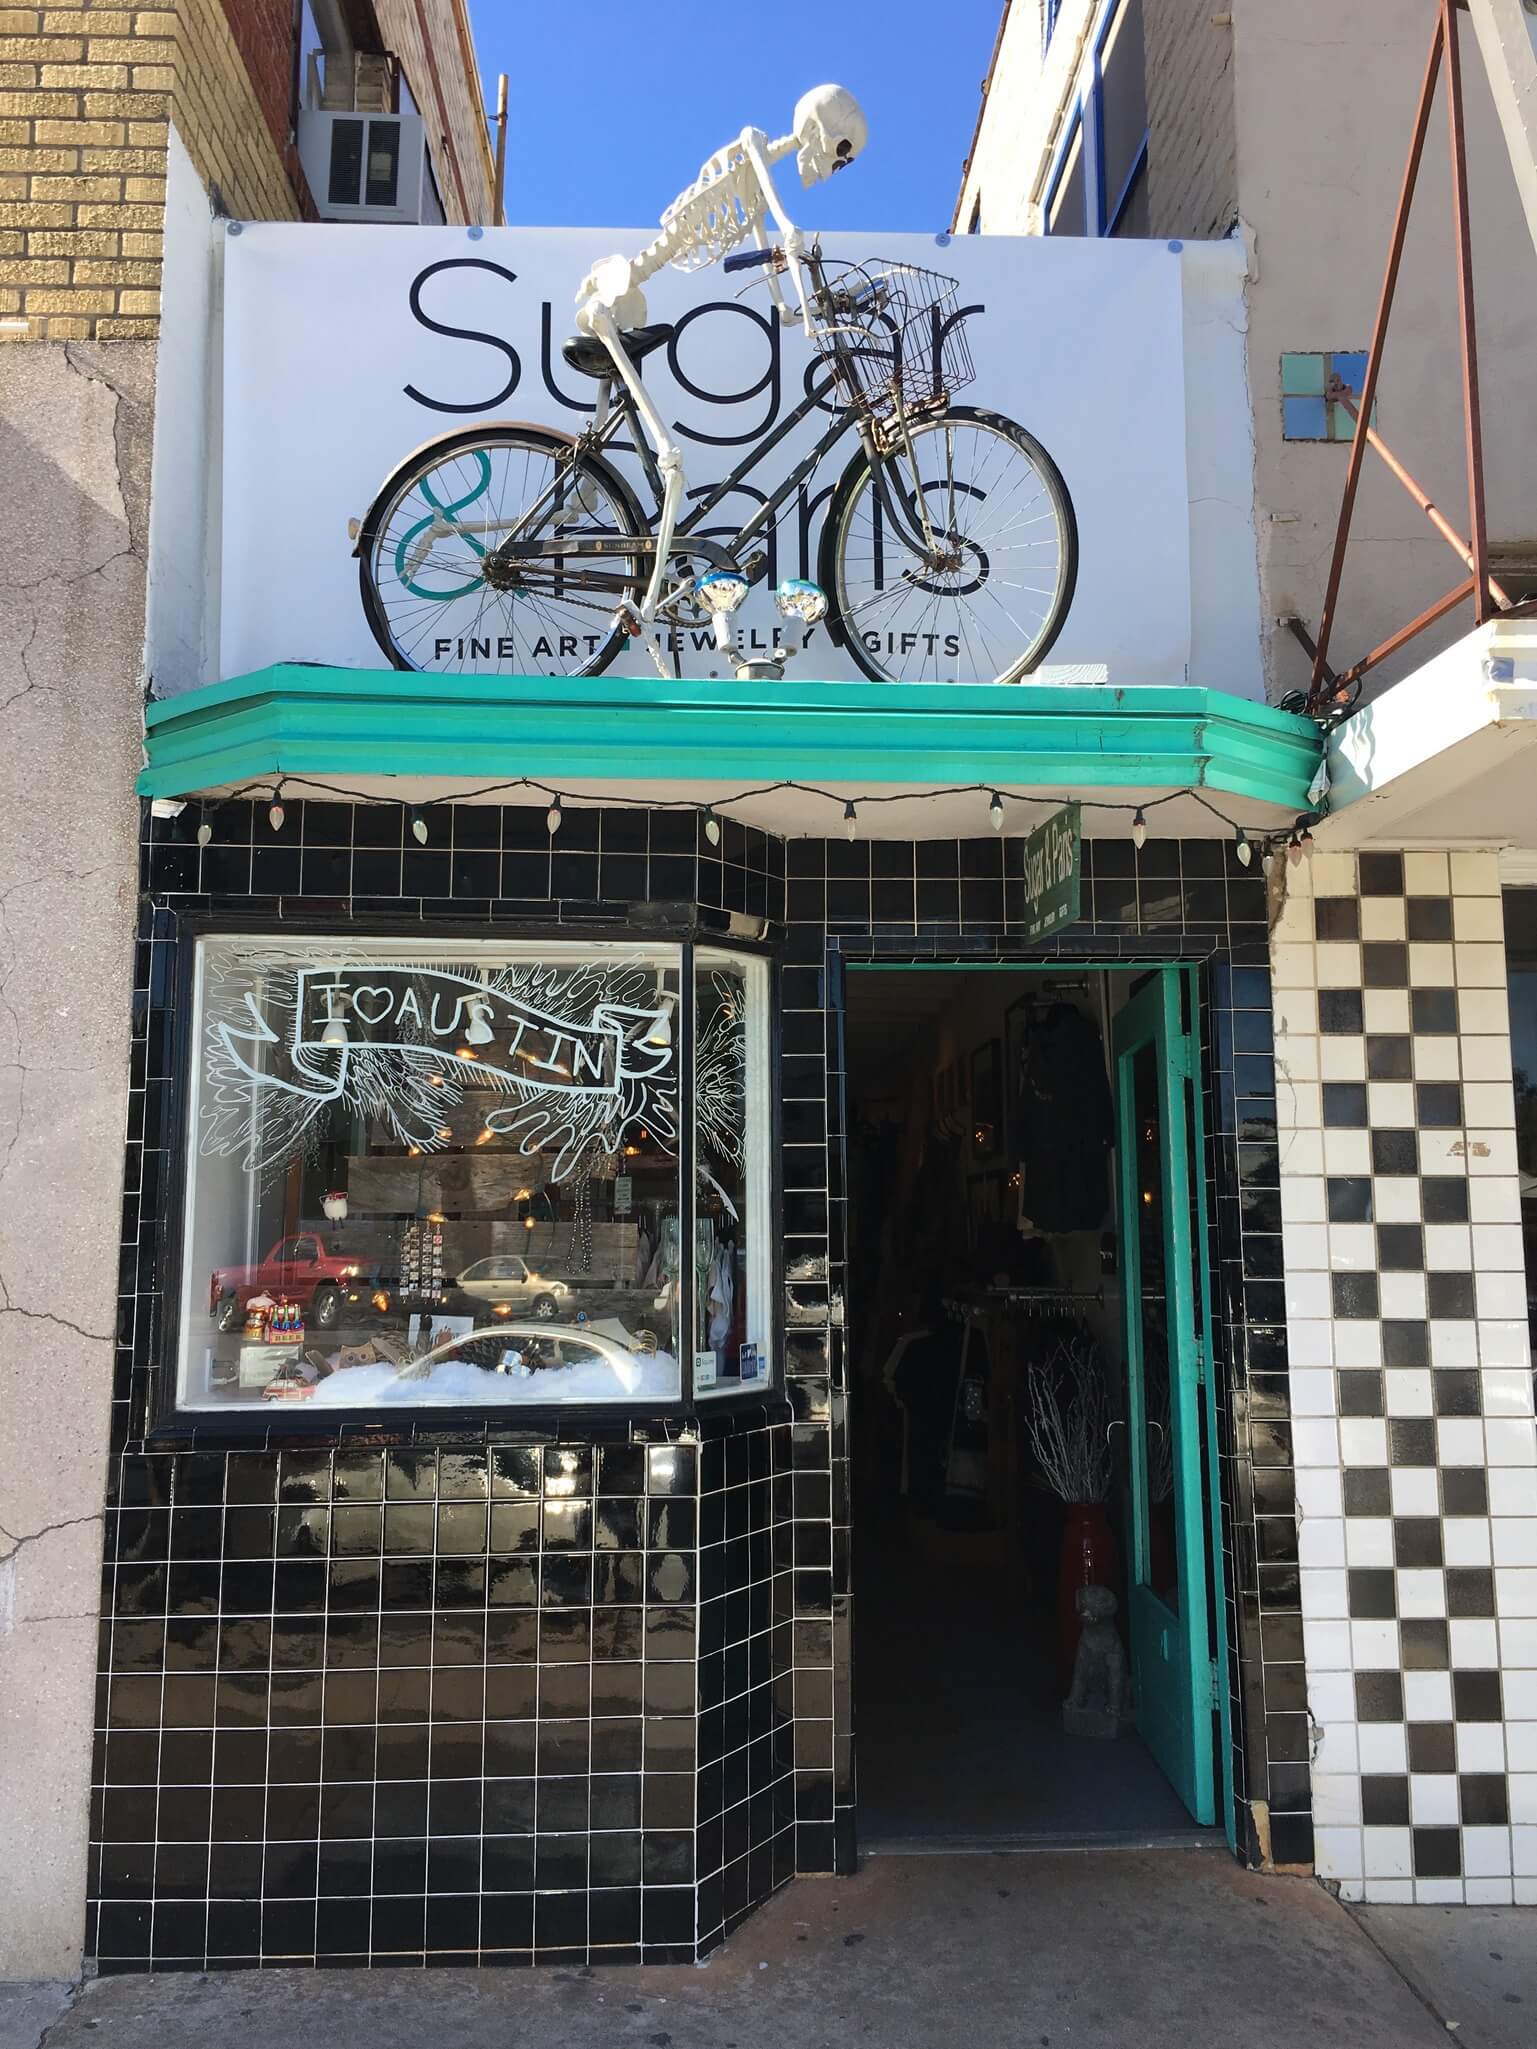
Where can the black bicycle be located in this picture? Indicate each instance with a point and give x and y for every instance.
(949, 545)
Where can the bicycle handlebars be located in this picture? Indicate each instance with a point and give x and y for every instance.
(750, 259)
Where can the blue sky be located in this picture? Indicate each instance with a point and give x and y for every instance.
(615, 104)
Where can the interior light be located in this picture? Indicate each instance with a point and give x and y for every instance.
(486, 1136)
(659, 1031)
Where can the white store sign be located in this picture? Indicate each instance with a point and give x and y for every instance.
(345, 348)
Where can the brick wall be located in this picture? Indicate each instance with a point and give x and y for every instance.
(1192, 167)
(263, 36)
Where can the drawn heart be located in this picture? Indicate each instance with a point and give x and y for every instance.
(383, 999)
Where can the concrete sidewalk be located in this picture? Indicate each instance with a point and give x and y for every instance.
(1177, 1948)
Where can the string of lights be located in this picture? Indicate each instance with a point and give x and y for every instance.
(1296, 841)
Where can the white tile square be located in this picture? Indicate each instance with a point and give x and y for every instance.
(1337, 1853)
(1407, 1391)
(1484, 1010)
(1486, 1853)
(1428, 1696)
(1368, 1540)
(1507, 1389)
(1302, 1152)
(1436, 1059)
(1383, 1747)
(1478, 966)
(1402, 1295)
(1459, 1441)
(1414, 1490)
(1523, 1796)
(1358, 1342)
(1332, 871)
(1332, 1704)
(1319, 1492)
(1523, 1889)
(1314, 1441)
(1296, 1058)
(1363, 1440)
(1388, 1853)
(1386, 1892)
(1385, 1010)
(1338, 964)
(1430, 966)
(1324, 1594)
(1491, 1103)
(1374, 1646)
(1352, 1248)
(1515, 1590)
(1495, 1199)
(1321, 1541)
(1474, 1641)
(1497, 1248)
(1305, 1246)
(1383, 917)
(1293, 925)
(1449, 1248)
(1336, 1799)
(1390, 1105)
(1310, 1342)
(1426, 874)
(1291, 967)
(1510, 1441)
(1308, 1297)
(1396, 1199)
(1465, 1540)
(1480, 1747)
(1326, 1644)
(1433, 1799)
(1303, 1199)
(1313, 1393)
(1298, 1105)
(1518, 1652)
(1503, 1346)
(1488, 1892)
(1295, 1011)
(1453, 1343)
(1479, 917)
(1514, 1539)
(1438, 1892)
(1489, 1151)
(1341, 1057)
(1421, 1592)
(1520, 1731)
(1475, 871)
(1486, 1059)
(1347, 1152)
(1512, 1490)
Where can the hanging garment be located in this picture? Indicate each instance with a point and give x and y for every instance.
(1066, 1123)
(720, 1290)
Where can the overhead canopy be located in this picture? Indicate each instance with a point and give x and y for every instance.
(403, 737)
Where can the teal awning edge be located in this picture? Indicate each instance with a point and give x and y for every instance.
(339, 724)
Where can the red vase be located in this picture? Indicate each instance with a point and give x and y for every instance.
(1088, 1560)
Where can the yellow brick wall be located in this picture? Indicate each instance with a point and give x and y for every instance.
(86, 94)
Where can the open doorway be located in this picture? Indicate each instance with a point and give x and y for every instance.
(1032, 1414)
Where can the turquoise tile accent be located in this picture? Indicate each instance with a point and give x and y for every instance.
(1350, 368)
(1302, 375)
(1303, 419)
(1341, 426)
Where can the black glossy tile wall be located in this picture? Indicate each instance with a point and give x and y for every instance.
(407, 1703)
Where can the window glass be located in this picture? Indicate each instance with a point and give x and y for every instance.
(732, 1308)
(1122, 103)
(1065, 209)
(414, 1169)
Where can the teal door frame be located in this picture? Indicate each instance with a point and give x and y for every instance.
(1177, 991)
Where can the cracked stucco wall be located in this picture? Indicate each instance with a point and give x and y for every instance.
(75, 423)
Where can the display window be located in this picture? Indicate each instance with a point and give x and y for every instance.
(473, 1174)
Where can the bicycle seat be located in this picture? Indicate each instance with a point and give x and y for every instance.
(586, 354)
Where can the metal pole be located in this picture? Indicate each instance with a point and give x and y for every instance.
(498, 196)
(1374, 357)
(1471, 418)
(1405, 634)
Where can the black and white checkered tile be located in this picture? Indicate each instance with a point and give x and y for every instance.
(1410, 1368)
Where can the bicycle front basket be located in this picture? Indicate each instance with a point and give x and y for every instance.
(895, 335)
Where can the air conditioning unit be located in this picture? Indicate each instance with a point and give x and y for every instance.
(367, 167)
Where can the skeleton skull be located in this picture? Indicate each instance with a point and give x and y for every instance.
(831, 129)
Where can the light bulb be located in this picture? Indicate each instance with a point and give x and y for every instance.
(1294, 850)
(850, 820)
(1306, 841)
(659, 1032)
(1244, 850)
(335, 1033)
(204, 833)
(1139, 831)
(275, 815)
(419, 828)
(552, 816)
(712, 828)
(995, 812)
(1267, 859)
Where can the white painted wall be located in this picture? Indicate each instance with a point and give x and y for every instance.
(1225, 639)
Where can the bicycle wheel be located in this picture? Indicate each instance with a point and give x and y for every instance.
(422, 549)
(987, 603)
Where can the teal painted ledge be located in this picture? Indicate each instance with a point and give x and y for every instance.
(349, 724)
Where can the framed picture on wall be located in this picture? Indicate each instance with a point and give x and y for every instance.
(987, 1099)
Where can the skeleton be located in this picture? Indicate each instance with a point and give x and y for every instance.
(728, 203)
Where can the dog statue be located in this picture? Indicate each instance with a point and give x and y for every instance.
(1096, 1704)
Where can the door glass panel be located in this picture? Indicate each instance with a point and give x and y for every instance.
(1161, 1573)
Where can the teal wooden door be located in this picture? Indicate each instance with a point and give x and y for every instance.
(1167, 1571)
